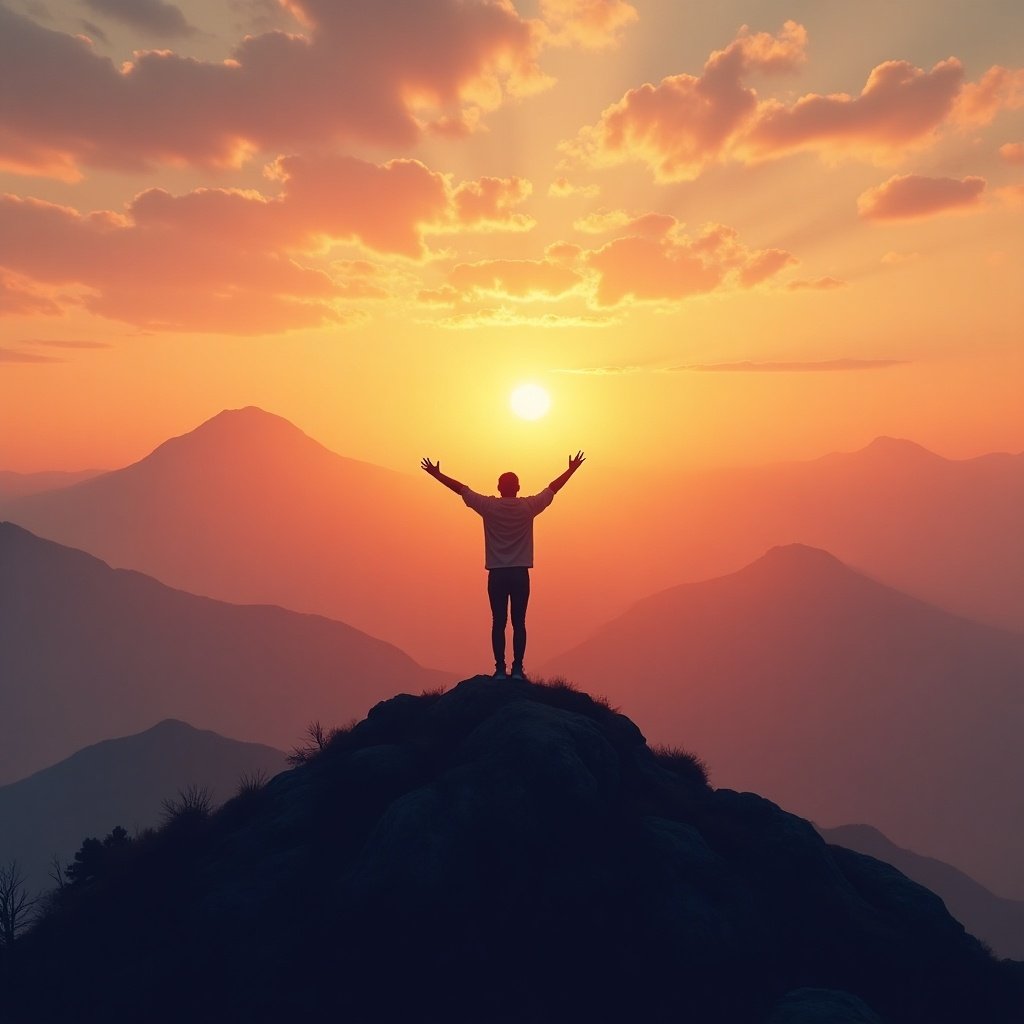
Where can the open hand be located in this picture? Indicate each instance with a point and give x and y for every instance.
(577, 460)
(433, 468)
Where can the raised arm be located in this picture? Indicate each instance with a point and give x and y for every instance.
(575, 461)
(434, 469)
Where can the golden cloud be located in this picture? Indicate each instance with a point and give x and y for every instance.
(911, 197)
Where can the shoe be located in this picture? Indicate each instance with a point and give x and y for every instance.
(517, 672)
(499, 672)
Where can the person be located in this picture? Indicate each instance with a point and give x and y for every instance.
(508, 547)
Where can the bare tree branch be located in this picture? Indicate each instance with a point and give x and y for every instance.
(56, 872)
(15, 903)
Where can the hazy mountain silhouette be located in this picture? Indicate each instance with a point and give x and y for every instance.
(996, 921)
(502, 852)
(87, 651)
(119, 782)
(17, 485)
(837, 696)
(247, 508)
(945, 530)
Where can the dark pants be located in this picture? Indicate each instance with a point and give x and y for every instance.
(508, 587)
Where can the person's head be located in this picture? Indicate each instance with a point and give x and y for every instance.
(508, 485)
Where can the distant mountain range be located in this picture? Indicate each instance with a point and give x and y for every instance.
(996, 921)
(248, 508)
(836, 696)
(87, 651)
(119, 782)
(945, 530)
(18, 485)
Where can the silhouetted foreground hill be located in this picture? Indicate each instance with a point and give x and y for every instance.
(119, 782)
(997, 922)
(87, 651)
(502, 852)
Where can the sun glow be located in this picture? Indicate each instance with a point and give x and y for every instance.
(530, 401)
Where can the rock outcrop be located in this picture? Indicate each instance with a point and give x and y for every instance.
(505, 851)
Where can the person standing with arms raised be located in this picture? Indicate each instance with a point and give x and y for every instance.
(508, 546)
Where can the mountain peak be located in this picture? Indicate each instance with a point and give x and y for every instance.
(799, 559)
(897, 447)
(169, 725)
(250, 420)
(884, 451)
(246, 414)
(233, 432)
(803, 554)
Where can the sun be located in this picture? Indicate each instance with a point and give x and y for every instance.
(530, 401)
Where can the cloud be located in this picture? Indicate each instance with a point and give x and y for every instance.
(659, 264)
(900, 105)
(19, 297)
(894, 258)
(254, 16)
(505, 317)
(94, 31)
(911, 196)
(763, 265)
(675, 266)
(561, 188)
(65, 343)
(160, 276)
(363, 71)
(812, 366)
(744, 366)
(154, 16)
(1012, 195)
(487, 204)
(389, 207)
(817, 284)
(362, 279)
(1012, 152)
(446, 295)
(648, 225)
(12, 355)
(513, 279)
(237, 260)
(998, 89)
(23, 353)
(685, 123)
(600, 222)
(566, 253)
(386, 207)
(594, 24)
(607, 371)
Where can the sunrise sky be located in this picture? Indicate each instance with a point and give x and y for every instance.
(723, 232)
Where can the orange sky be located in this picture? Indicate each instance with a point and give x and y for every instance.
(710, 243)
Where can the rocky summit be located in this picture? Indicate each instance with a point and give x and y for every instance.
(503, 851)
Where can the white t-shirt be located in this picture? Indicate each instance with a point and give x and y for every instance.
(508, 526)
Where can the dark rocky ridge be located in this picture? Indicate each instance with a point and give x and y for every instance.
(996, 921)
(505, 852)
